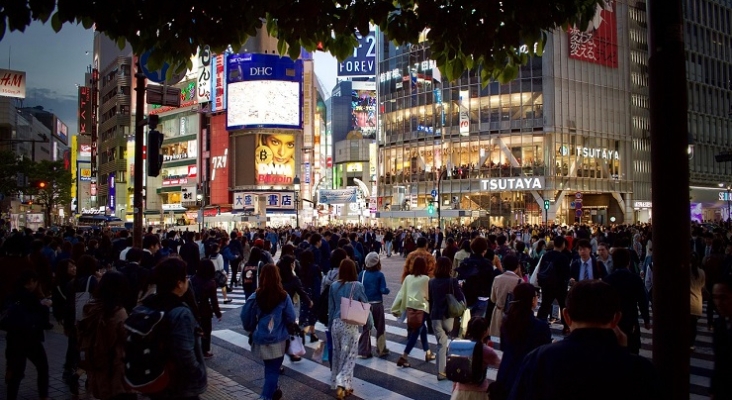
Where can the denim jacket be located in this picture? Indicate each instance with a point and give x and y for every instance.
(281, 317)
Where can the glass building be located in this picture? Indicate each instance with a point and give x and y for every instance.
(567, 130)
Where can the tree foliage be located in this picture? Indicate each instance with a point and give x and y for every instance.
(484, 34)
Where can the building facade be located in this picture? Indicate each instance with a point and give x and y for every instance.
(491, 154)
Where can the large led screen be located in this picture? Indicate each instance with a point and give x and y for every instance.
(263, 91)
(274, 159)
(363, 112)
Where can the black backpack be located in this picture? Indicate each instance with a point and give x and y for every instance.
(547, 275)
(147, 363)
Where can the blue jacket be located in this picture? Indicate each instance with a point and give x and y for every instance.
(374, 284)
(280, 317)
(228, 256)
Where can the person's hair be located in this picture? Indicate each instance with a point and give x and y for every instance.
(307, 258)
(336, 256)
(285, 266)
(77, 251)
(62, 271)
(206, 270)
(350, 251)
(288, 249)
(149, 241)
(519, 316)
(603, 244)
(270, 292)
(26, 276)
(520, 246)
(86, 265)
(621, 258)
(342, 242)
(465, 245)
(419, 267)
(443, 268)
(352, 236)
(477, 326)
(501, 240)
(168, 273)
(315, 238)
(540, 245)
(592, 301)
(479, 245)
(111, 292)
(450, 240)
(255, 255)
(134, 254)
(559, 241)
(421, 241)
(347, 271)
(583, 243)
(510, 262)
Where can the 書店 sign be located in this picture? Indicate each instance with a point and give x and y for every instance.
(530, 183)
(273, 200)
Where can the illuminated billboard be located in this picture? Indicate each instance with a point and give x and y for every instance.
(363, 109)
(274, 159)
(599, 43)
(363, 60)
(263, 91)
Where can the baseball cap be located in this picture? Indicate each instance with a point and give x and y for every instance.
(372, 259)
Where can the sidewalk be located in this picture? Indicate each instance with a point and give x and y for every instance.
(219, 386)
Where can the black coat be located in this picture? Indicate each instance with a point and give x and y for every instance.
(191, 254)
(721, 385)
(598, 269)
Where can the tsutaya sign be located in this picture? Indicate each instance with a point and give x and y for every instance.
(529, 183)
(604, 154)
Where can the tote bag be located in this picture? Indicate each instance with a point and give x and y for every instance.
(353, 311)
(455, 308)
(81, 299)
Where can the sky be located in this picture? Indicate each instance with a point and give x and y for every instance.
(56, 62)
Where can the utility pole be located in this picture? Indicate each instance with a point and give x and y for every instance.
(139, 166)
(670, 187)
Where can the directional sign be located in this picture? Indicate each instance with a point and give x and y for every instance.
(159, 75)
(578, 195)
(572, 204)
(434, 193)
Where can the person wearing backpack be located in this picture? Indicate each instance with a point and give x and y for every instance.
(102, 338)
(267, 314)
(163, 355)
(204, 289)
(25, 317)
(483, 357)
(553, 277)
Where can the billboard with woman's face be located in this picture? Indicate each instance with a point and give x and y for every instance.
(274, 159)
(363, 109)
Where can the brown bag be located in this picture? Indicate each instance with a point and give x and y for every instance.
(415, 318)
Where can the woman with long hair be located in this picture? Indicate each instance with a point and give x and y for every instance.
(483, 357)
(274, 313)
(250, 271)
(293, 286)
(414, 295)
(344, 335)
(103, 326)
(442, 324)
(521, 332)
(204, 288)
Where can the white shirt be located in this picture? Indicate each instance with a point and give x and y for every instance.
(586, 266)
(218, 262)
(123, 254)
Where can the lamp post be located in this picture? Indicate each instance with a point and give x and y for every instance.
(439, 203)
(199, 200)
(296, 183)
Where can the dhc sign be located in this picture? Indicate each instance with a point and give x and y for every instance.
(521, 183)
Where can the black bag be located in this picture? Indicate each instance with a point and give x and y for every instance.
(321, 307)
(462, 356)
(509, 299)
(17, 318)
(547, 275)
(147, 365)
(220, 278)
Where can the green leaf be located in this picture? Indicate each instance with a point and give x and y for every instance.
(281, 46)
(56, 23)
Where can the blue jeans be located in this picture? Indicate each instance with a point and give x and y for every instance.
(271, 376)
(412, 339)
(478, 309)
(388, 246)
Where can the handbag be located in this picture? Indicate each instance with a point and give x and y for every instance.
(81, 299)
(353, 311)
(296, 348)
(318, 353)
(415, 318)
(455, 308)
(220, 278)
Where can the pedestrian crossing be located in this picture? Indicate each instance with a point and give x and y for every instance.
(237, 299)
(382, 379)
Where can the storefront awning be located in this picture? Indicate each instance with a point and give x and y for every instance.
(169, 189)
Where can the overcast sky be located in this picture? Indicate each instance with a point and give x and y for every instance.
(55, 62)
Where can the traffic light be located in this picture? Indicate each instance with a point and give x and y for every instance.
(546, 204)
(154, 155)
(431, 208)
(39, 184)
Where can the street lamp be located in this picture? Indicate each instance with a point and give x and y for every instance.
(199, 200)
(296, 182)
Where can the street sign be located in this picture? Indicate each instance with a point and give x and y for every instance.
(578, 213)
(572, 204)
(434, 193)
(578, 195)
(159, 75)
(578, 205)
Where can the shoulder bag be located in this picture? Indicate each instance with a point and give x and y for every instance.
(353, 311)
(455, 308)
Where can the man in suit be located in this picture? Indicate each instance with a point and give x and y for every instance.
(586, 267)
(439, 237)
(150, 247)
(697, 243)
(721, 386)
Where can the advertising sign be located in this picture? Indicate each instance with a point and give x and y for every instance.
(496, 184)
(275, 201)
(599, 43)
(12, 83)
(464, 112)
(84, 169)
(84, 111)
(363, 109)
(363, 60)
(62, 131)
(189, 194)
(337, 196)
(203, 91)
(263, 91)
(84, 150)
(218, 83)
(112, 192)
(274, 159)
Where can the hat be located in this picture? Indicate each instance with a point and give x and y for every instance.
(259, 243)
(372, 259)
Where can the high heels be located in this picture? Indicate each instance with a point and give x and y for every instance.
(340, 393)
(403, 362)
(429, 356)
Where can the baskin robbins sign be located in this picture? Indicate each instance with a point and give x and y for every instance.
(508, 184)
